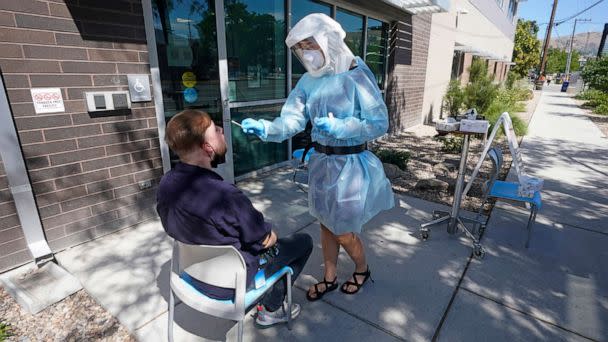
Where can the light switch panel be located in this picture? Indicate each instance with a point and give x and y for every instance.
(99, 101)
(120, 101)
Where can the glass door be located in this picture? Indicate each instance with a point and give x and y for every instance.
(257, 76)
(187, 47)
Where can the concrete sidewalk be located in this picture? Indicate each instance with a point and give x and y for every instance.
(556, 290)
(414, 281)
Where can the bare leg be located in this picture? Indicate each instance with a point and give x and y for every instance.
(331, 248)
(354, 247)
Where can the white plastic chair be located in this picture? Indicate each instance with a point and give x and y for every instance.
(221, 266)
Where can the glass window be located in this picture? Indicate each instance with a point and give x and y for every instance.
(187, 56)
(457, 65)
(300, 9)
(187, 53)
(512, 8)
(375, 55)
(255, 43)
(250, 153)
(352, 23)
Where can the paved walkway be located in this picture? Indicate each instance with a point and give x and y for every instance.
(556, 290)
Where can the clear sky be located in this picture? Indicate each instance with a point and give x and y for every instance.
(540, 10)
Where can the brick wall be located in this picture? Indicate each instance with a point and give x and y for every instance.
(84, 170)
(407, 75)
(468, 60)
(13, 249)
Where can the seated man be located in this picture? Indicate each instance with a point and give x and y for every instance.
(197, 206)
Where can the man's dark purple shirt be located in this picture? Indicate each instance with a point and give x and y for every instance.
(196, 206)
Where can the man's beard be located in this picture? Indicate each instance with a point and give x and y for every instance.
(219, 157)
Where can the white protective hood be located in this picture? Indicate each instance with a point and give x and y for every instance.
(329, 35)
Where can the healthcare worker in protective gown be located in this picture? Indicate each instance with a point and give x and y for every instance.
(347, 184)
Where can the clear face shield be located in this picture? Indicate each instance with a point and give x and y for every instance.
(310, 54)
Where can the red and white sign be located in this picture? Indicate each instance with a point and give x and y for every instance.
(47, 100)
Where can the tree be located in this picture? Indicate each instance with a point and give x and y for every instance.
(526, 50)
(480, 92)
(595, 74)
(557, 59)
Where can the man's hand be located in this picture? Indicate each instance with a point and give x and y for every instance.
(270, 240)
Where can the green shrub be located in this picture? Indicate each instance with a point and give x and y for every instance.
(454, 99)
(595, 99)
(481, 91)
(511, 78)
(5, 331)
(589, 95)
(451, 144)
(519, 126)
(396, 157)
(602, 109)
(595, 74)
(506, 101)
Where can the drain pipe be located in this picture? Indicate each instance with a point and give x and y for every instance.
(19, 183)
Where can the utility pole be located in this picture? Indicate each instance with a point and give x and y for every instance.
(601, 49)
(570, 48)
(586, 41)
(546, 45)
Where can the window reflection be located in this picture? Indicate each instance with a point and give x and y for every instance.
(187, 52)
(457, 65)
(255, 42)
(187, 55)
(353, 25)
(375, 55)
(250, 153)
(300, 9)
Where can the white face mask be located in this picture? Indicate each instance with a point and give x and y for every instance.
(314, 58)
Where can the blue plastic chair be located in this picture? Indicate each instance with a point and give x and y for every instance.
(297, 154)
(221, 266)
(507, 191)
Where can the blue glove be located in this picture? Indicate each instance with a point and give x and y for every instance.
(328, 125)
(252, 126)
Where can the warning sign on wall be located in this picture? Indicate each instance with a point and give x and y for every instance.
(47, 100)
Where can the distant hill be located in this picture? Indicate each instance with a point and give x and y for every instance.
(585, 42)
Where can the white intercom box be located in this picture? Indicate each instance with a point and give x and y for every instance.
(98, 101)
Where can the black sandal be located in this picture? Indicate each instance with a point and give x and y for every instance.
(367, 274)
(329, 286)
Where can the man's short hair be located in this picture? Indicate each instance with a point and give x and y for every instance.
(186, 130)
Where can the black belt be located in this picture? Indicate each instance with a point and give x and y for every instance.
(338, 149)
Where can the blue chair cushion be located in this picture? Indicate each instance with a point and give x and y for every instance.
(252, 295)
(508, 190)
(297, 154)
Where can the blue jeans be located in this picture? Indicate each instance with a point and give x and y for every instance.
(294, 251)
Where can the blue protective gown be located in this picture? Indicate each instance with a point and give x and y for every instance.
(345, 191)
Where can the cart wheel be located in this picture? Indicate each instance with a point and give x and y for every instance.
(479, 251)
(424, 234)
(482, 229)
